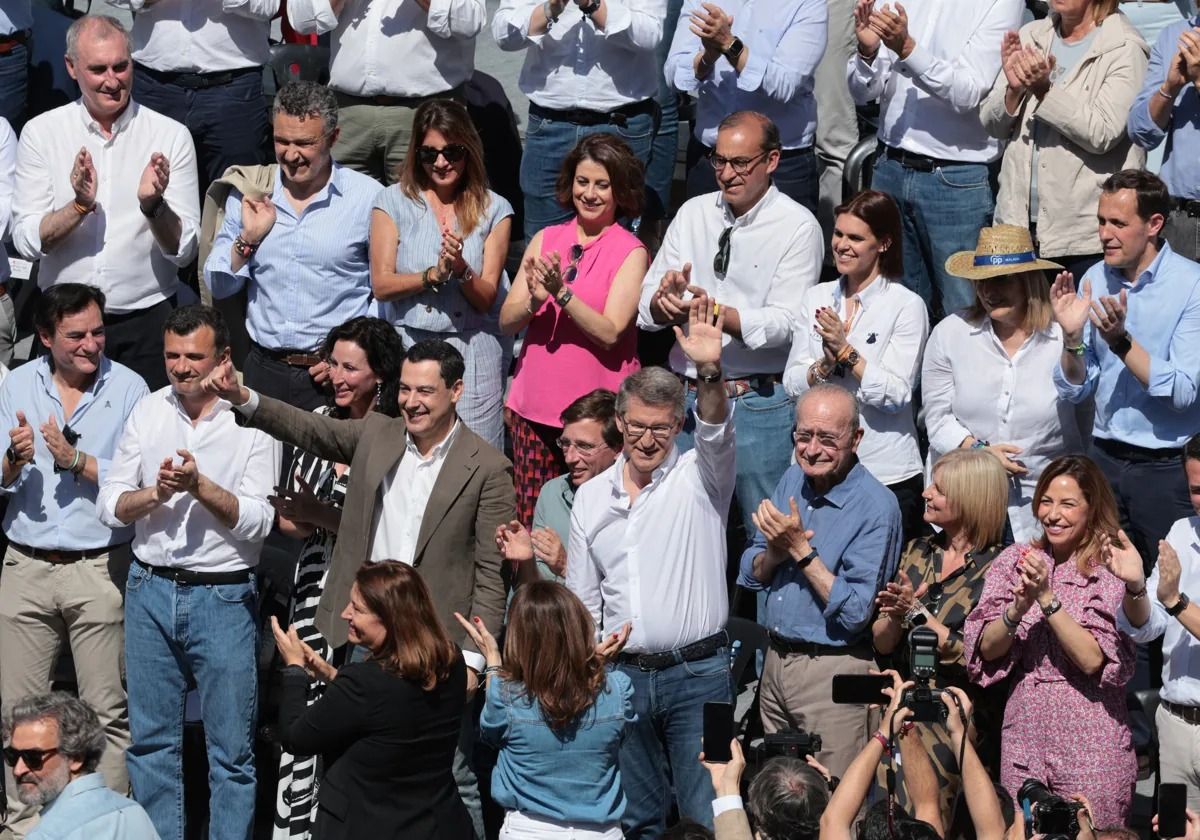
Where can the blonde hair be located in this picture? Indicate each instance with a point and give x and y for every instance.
(1101, 9)
(1039, 312)
(976, 487)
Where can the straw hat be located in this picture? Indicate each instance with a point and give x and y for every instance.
(1003, 249)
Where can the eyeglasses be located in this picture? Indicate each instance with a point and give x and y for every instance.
(741, 165)
(825, 440)
(565, 443)
(576, 254)
(721, 260)
(34, 759)
(660, 431)
(452, 152)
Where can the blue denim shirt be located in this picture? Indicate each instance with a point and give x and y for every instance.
(857, 533)
(1163, 317)
(1181, 162)
(87, 810)
(571, 777)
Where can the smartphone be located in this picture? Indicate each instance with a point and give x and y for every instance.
(1172, 805)
(718, 731)
(860, 688)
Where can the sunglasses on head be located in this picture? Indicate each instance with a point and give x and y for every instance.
(575, 255)
(452, 152)
(34, 759)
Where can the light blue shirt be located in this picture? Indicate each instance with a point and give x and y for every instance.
(15, 15)
(1163, 317)
(52, 510)
(857, 534)
(312, 271)
(553, 511)
(87, 810)
(785, 38)
(1181, 162)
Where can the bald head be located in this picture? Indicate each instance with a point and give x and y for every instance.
(758, 126)
(95, 28)
(832, 401)
(827, 434)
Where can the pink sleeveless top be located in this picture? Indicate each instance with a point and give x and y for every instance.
(559, 363)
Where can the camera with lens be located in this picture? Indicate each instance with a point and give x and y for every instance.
(793, 743)
(1051, 816)
(925, 702)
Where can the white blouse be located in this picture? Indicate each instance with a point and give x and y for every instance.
(889, 332)
(969, 388)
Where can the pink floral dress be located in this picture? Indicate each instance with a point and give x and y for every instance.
(1061, 726)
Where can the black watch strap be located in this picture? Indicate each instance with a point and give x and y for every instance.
(806, 559)
(1180, 605)
(734, 51)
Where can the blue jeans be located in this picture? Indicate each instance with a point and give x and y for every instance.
(228, 123)
(14, 86)
(942, 212)
(661, 170)
(547, 143)
(208, 634)
(796, 177)
(661, 748)
(762, 426)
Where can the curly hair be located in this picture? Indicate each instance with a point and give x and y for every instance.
(384, 350)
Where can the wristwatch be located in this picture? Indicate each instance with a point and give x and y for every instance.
(806, 559)
(1050, 609)
(563, 298)
(1121, 345)
(11, 455)
(156, 210)
(734, 51)
(591, 8)
(1180, 605)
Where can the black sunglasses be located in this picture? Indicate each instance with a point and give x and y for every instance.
(453, 152)
(575, 254)
(721, 260)
(34, 759)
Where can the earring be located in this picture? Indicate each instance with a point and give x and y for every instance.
(378, 393)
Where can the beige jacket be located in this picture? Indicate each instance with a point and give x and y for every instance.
(1086, 114)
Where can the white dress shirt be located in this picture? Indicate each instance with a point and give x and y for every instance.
(8, 177)
(660, 563)
(200, 36)
(775, 256)
(113, 247)
(970, 387)
(182, 532)
(394, 47)
(929, 102)
(785, 39)
(403, 499)
(889, 332)
(1181, 650)
(576, 65)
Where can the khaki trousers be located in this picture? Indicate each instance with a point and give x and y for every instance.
(43, 604)
(796, 694)
(1179, 753)
(373, 139)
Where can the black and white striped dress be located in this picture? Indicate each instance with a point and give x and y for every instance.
(296, 795)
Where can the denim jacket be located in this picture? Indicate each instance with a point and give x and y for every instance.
(570, 776)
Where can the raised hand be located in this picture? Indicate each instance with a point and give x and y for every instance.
(702, 342)
(1169, 571)
(1010, 47)
(1189, 56)
(1108, 315)
(84, 180)
(223, 382)
(478, 632)
(1071, 310)
(301, 504)
(63, 452)
(155, 178)
(20, 440)
(291, 649)
(258, 217)
(868, 38)
(514, 542)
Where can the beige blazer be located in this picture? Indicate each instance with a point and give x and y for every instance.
(456, 546)
(1084, 139)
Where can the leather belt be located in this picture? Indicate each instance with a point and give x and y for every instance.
(688, 653)
(193, 578)
(921, 163)
(1188, 206)
(782, 644)
(1129, 452)
(62, 557)
(289, 356)
(12, 40)
(345, 99)
(735, 388)
(582, 116)
(196, 81)
(1188, 714)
